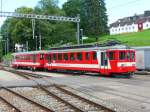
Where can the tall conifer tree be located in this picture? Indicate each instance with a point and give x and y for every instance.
(94, 17)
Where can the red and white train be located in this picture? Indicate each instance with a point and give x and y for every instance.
(104, 60)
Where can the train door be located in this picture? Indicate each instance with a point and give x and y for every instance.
(34, 58)
(49, 61)
(104, 62)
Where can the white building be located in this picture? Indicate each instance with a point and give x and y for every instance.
(131, 24)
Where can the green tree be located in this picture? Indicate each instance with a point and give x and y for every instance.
(18, 30)
(92, 13)
(94, 17)
(72, 7)
(52, 31)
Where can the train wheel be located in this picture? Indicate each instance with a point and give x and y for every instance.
(45, 69)
(34, 69)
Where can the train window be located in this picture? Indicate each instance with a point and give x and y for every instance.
(34, 58)
(41, 56)
(132, 56)
(122, 55)
(54, 56)
(94, 55)
(128, 55)
(59, 56)
(66, 56)
(79, 56)
(48, 57)
(72, 56)
(87, 55)
(111, 55)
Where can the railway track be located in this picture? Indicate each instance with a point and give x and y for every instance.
(21, 103)
(53, 98)
(61, 100)
(24, 74)
(7, 106)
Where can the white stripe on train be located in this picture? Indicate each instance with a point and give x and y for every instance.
(78, 65)
(25, 63)
(126, 64)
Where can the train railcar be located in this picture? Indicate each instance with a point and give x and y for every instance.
(33, 60)
(142, 58)
(104, 60)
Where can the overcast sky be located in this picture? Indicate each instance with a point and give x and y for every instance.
(115, 8)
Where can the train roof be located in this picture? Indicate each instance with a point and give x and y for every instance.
(142, 48)
(77, 48)
(94, 48)
(30, 52)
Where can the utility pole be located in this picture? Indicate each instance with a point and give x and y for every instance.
(36, 42)
(7, 45)
(1, 6)
(40, 42)
(33, 28)
(78, 30)
(1, 15)
(27, 48)
(81, 35)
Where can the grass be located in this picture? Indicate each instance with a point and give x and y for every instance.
(132, 39)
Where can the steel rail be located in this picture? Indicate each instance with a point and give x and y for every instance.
(11, 105)
(60, 99)
(29, 100)
(24, 74)
(83, 99)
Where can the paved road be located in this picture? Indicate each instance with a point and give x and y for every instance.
(6, 76)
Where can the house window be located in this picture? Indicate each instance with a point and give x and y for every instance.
(133, 27)
(147, 25)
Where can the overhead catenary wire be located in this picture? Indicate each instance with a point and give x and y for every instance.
(124, 4)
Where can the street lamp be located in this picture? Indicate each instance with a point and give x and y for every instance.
(36, 41)
(81, 35)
